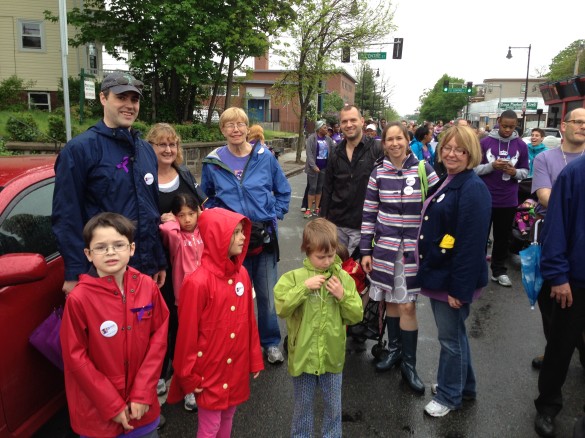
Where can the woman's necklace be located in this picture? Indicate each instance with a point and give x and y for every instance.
(565, 157)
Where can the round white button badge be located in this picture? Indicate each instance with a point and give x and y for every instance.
(408, 191)
(410, 181)
(108, 329)
(441, 198)
(239, 289)
(148, 179)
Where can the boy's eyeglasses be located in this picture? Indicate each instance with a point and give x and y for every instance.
(117, 247)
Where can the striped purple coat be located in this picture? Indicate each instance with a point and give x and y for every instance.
(391, 217)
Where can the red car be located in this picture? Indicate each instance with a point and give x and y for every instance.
(31, 276)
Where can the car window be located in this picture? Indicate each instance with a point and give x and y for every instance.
(26, 224)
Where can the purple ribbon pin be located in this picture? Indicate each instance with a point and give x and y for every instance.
(140, 310)
(123, 164)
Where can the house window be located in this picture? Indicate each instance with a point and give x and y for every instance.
(32, 35)
(235, 90)
(39, 100)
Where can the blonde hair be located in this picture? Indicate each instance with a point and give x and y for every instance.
(466, 139)
(233, 114)
(256, 132)
(319, 235)
(164, 131)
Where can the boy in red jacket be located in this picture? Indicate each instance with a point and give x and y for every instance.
(114, 337)
(218, 345)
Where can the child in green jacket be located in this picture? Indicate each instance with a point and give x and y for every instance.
(317, 301)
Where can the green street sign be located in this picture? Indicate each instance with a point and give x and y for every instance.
(371, 55)
(517, 106)
(457, 90)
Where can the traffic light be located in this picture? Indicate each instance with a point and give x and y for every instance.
(345, 54)
(469, 87)
(397, 49)
(446, 85)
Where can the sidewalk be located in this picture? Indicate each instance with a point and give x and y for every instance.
(287, 162)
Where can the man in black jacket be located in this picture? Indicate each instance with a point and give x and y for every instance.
(347, 176)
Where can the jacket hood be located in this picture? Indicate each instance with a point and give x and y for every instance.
(495, 133)
(130, 135)
(216, 226)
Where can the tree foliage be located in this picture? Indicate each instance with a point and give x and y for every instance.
(321, 29)
(438, 105)
(182, 49)
(562, 65)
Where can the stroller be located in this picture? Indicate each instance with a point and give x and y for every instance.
(522, 226)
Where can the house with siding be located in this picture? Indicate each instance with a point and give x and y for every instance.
(30, 48)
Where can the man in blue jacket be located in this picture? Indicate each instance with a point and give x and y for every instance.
(563, 252)
(109, 168)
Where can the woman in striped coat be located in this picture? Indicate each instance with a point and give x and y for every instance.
(388, 241)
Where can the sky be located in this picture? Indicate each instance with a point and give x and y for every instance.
(470, 40)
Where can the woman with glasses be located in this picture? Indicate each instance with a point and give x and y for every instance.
(173, 178)
(452, 270)
(247, 179)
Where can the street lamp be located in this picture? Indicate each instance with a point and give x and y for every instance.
(509, 56)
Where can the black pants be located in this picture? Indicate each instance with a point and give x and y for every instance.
(168, 294)
(502, 219)
(565, 330)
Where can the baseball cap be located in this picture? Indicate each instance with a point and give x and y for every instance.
(120, 82)
(371, 126)
(319, 124)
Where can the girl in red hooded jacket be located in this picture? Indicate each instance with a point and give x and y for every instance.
(218, 345)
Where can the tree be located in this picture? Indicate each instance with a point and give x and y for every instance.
(563, 65)
(438, 105)
(175, 46)
(321, 29)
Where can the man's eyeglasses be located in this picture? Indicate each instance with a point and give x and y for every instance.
(124, 80)
(231, 126)
(163, 146)
(579, 123)
(458, 152)
(117, 247)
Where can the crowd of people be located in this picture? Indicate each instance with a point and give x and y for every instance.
(161, 273)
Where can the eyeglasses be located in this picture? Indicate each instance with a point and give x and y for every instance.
(458, 152)
(163, 146)
(579, 123)
(117, 247)
(232, 126)
(129, 80)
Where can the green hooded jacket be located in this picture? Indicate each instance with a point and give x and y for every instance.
(315, 319)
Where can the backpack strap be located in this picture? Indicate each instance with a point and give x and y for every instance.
(424, 182)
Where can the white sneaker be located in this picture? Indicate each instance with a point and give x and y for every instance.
(161, 387)
(503, 280)
(274, 355)
(190, 403)
(303, 209)
(435, 409)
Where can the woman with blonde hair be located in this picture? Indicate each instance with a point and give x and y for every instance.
(173, 178)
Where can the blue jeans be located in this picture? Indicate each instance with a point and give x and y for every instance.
(304, 390)
(455, 375)
(262, 271)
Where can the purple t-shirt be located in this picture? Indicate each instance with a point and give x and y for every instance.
(237, 164)
(546, 168)
(504, 191)
(322, 153)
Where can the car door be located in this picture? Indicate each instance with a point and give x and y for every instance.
(31, 388)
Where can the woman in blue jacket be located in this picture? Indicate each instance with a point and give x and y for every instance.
(452, 268)
(421, 144)
(247, 179)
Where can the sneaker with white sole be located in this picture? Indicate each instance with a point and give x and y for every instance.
(435, 409)
(435, 388)
(190, 403)
(503, 280)
(161, 387)
(274, 355)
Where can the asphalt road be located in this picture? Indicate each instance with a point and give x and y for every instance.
(505, 334)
